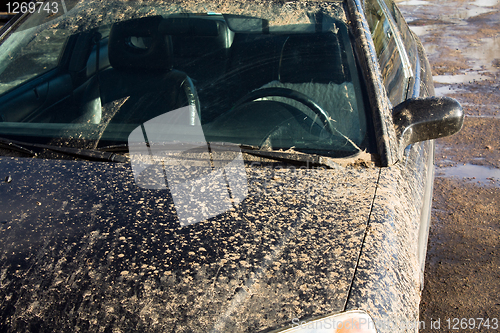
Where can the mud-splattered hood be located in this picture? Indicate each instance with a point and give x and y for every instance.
(84, 248)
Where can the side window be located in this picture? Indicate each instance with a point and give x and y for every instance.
(39, 52)
(406, 34)
(37, 45)
(391, 54)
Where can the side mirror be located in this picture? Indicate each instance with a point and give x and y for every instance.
(423, 119)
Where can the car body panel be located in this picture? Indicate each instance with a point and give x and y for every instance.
(390, 249)
(401, 214)
(84, 246)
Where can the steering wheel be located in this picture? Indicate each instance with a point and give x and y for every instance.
(182, 81)
(192, 96)
(292, 94)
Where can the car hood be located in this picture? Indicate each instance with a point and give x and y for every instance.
(84, 247)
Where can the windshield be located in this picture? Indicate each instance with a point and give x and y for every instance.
(270, 75)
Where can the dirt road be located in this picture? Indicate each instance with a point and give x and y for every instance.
(462, 39)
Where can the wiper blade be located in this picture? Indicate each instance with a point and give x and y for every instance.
(285, 156)
(294, 157)
(89, 154)
(15, 147)
(123, 148)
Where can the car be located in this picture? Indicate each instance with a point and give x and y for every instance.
(4, 18)
(215, 166)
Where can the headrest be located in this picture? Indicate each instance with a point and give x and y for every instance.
(138, 44)
(312, 58)
(190, 26)
(195, 37)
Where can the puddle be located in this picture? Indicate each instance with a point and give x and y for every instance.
(413, 3)
(453, 11)
(460, 78)
(422, 30)
(475, 173)
(485, 3)
(465, 14)
(447, 90)
(484, 53)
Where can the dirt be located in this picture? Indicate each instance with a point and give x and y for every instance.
(462, 276)
(462, 273)
(478, 143)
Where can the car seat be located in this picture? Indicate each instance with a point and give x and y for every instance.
(141, 83)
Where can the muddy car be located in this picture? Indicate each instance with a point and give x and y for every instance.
(218, 166)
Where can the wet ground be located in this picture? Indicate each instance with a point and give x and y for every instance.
(462, 39)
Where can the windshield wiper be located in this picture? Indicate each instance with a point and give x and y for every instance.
(15, 147)
(122, 148)
(294, 157)
(88, 154)
(284, 156)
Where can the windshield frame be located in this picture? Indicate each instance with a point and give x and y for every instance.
(356, 77)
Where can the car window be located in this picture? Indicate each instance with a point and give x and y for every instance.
(32, 49)
(393, 59)
(29, 53)
(269, 76)
(406, 34)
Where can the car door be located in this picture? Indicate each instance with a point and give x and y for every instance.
(420, 86)
(402, 64)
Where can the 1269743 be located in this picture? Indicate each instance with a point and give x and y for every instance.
(50, 7)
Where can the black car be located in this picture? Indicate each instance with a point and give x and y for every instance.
(219, 166)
